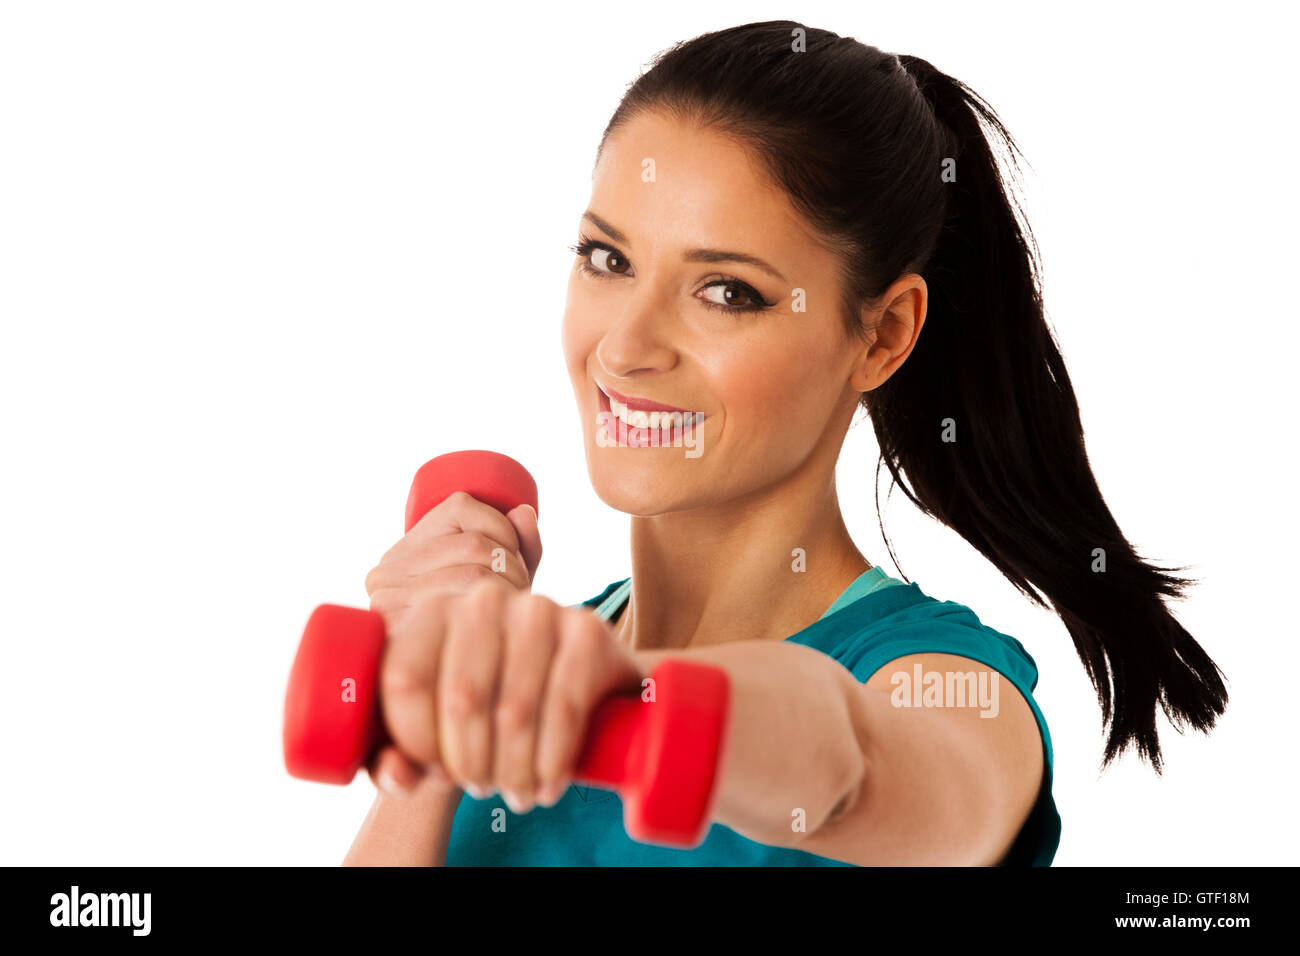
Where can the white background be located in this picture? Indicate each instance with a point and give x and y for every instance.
(259, 261)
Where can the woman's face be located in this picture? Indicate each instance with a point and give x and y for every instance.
(701, 289)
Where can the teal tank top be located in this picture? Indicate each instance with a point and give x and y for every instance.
(877, 619)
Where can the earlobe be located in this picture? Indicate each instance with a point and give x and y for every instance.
(865, 375)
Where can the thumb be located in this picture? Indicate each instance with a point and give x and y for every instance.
(524, 520)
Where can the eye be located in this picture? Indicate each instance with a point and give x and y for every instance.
(599, 259)
(733, 295)
(607, 260)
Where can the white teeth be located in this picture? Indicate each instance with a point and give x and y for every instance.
(641, 419)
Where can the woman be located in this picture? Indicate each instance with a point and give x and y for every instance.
(785, 224)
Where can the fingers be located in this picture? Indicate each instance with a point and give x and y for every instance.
(497, 687)
(588, 666)
(391, 771)
(524, 521)
(467, 687)
(462, 512)
(408, 678)
(393, 601)
(405, 570)
(529, 647)
(452, 548)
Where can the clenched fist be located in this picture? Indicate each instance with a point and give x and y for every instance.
(455, 545)
(492, 689)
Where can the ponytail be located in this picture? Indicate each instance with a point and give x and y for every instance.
(1016, 482)
(859, 139)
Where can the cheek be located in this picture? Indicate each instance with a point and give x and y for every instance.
(776, 382)
(578, 336)
(778, 402)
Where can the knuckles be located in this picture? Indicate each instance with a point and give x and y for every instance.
(456, 501)
(440, 566)
(516, 714)
(575, 635)
(566, 712)
(465, 576)
(373, 578)
(586, 633)
(485, 598)
(403, 681)
(478, 545)
(464, 697)
(439, 603)
(534, 616)
(384, 598)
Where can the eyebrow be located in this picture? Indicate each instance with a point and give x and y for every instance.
(691, 255)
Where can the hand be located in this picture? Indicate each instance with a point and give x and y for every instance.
(493, 690)
(455, 545)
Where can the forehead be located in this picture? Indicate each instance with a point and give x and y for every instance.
(708, 190)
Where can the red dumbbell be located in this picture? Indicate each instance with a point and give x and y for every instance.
(662, 756)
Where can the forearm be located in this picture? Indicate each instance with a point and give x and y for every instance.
(410, 830)
(793, 754)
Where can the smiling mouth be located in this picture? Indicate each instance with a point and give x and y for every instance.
(641, 413)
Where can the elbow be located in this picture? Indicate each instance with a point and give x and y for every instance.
(849, 766)
(846, 792)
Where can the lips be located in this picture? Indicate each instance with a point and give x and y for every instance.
(635, 404)
(643, 423)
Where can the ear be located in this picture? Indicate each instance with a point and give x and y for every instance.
(893, 323)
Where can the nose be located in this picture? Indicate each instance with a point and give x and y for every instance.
(639, 338)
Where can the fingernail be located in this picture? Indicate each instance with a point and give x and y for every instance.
(513, 801)
(533, 510)
(389, 784)
(477, 792)
(550, 794)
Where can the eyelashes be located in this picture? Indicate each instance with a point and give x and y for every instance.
(586, 246)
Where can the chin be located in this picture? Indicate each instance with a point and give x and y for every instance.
(636, 483)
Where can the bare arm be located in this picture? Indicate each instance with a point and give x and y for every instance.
(455, 545)
(873, 784)
(941, 786)
(407, 830)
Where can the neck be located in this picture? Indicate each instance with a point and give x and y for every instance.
(732, 571)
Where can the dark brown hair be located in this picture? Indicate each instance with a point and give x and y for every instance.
(859, 138)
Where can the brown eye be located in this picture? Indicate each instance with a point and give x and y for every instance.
(606, 260)
(733, 294)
